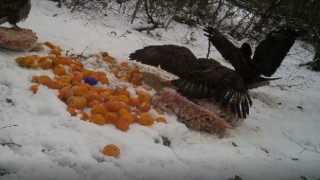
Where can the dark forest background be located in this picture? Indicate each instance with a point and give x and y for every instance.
(241, 19)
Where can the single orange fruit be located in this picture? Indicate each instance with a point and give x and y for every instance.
(103, 79)
(122, 125)
(146, 120)
(104, 54)
(159, 111)
(49, 44)
(121, 91)
(125, 77)
(86, 73)
(90, 96)
(123, 98)
(43, 79)
(105, 94)
(59, 70)
(161, 119)
(46, 64)
(93, 103)
(34, 88)
(134, 102)
(144, 106)
(79, 102)
(136, 81)
(136, 70)
(65, 60)
(79, 90)
(84, 116)
(97, 89)
(78, 63)
(111, 117)
(97, 119)
(54, 85)
(67, 91)
(109, 59)
(123, 110)
(135, 75)
(129, 118)
(72, 111)
(113, 106)
(144, 96)
(124, 64)
(114, 70)
(99, 109)
(61, 95)
(64, 80)
(111, 150)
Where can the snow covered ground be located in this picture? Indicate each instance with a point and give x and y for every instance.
(279, 140)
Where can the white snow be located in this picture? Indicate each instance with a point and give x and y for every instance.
(277, 141)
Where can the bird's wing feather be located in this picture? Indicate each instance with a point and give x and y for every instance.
(230, 52)
(199, 78)
(270, 52)
(177, 60)
(229, 87)
(221, 43)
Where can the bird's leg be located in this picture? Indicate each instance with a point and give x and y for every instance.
(16, 27)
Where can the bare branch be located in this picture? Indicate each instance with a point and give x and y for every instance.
(304, 148)
(209, 46)
(8, 126)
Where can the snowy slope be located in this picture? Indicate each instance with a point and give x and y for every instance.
(279, 140)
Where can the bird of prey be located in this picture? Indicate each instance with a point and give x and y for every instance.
(198, 78)
(14, 11)
(267, 57)
(206, 78)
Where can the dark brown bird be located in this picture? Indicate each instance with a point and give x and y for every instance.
(267, 57)
(198, 78)
(14, 11)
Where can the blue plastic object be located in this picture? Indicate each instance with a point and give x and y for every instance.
(91, 81)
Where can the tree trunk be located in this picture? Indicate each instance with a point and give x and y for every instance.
(135, 11)
(316, 60)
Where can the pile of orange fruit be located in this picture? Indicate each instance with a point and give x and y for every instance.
(102, 103)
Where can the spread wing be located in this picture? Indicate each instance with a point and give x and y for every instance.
(270, 52)
(174, 59)
(221, 43)
(199, 78)
(238, 57)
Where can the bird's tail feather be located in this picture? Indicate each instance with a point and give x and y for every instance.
(261, 81)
